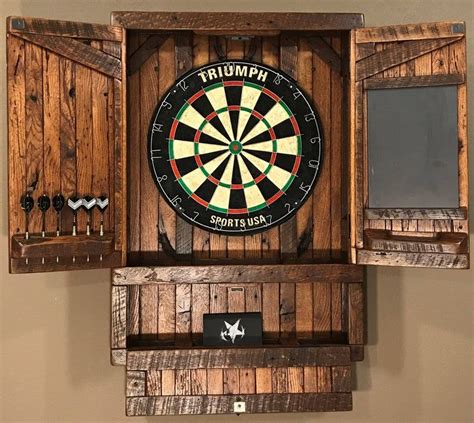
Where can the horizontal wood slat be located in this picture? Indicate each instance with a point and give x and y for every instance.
(397, 55)
(436, 260)
(409, 32)
(224, 404)
(202, 358)
(78, 52)
(435, 214)
(437, 242)
(414, 81)
(238, 21)
(19, 24)
(337, 273)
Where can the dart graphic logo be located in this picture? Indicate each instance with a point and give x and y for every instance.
(232, 331)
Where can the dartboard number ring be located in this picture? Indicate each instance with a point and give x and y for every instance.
(235, 147)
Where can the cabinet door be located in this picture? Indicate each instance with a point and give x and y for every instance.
(408, 146)
(65, 136)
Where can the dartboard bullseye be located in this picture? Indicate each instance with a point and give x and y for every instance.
(235, 147)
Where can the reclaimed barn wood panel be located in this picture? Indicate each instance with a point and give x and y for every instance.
(67, 136)
(407, 56)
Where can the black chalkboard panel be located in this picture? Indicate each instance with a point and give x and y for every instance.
(413, 147)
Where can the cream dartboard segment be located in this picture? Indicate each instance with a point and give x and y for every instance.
(235, 147)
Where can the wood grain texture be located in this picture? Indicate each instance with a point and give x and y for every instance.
(436, 260)
(414, 81)
(356, 334)
(237, 21)
(135, 384)
(119, 317)
(166, 312)
(453, 214)
(20, 24)
(149, 309)
(78, 52)
(223, 404)
(141, 54)
(238, 358)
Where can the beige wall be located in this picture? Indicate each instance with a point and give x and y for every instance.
(55, 327)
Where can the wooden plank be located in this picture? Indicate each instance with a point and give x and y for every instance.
(295, 380)
(279, 380)
(67, 132)
(341, 379)
(356, 314)
(183, 382)
(235, 299)
(288, 64)
(199, 307)
(304, 310)
(253, 298)
(153, 382)
(336, 311)
(409, 32)
(149, 85)
(141, 54)
(419, 242)
(135, 385)
(364, 50)
(238, 21)
(247, 381)
(398, 54)
(326, 52)
(133, 312)
(217, 298)
(78, 52)
(113, 48)
(287, 311)
(271, 238)
(322, 309)
(34, 128)
(168, 382)
(215, 381)
(310, 377)
(20, 24)
(263, 380)
(269, 274)
(166, 312)
(231, 381)
(16, 133)
(119, 317)
(392, 258)
(241, 358)
(199, 382)
(224, 404)
(51, 137)
(453, 214)
(271, 311)
(324, 379)
(414, 81)
(118, 357)
(322, 191)
(183, 313)
(149, 309)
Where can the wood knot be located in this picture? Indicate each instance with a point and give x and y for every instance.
(33, 97)
(72, 92)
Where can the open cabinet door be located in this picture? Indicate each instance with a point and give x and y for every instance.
(65, 136)
(409, 171)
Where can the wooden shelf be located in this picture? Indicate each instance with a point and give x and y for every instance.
(417, 242)
(62, 246)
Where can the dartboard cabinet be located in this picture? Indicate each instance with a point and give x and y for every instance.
(236, 164)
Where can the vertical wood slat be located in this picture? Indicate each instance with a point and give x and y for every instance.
(34, 127)
(236, 299)
(270, 310)
(263, 381)
(356, 314)
(183, 313)
(217, 298)
(133, 310)
(322, 309)
(166, 312)
(288, 64)
(287, 311)
(119, 317)
(215, 381)
(247, 381)
(168, 382)
(231, 381)
(184, 57)
(295, 380)
(51, 144)
(279, 380)
(304, 310)
(16, 132)
(149, 309)
(153, 382)
(199, 307)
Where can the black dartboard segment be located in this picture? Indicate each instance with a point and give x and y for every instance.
(235, 147)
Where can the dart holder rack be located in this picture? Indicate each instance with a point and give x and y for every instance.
(80, 99)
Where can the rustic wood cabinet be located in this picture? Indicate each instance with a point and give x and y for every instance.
(80, 100)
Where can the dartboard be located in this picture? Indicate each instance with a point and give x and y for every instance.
(235, 147)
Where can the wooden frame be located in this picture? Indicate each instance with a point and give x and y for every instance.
(424, 55)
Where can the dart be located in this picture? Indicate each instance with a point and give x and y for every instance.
(27, 203)
(58, 204)
(102, 204)
(88, 204)
(43, 204)
(74, 204)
